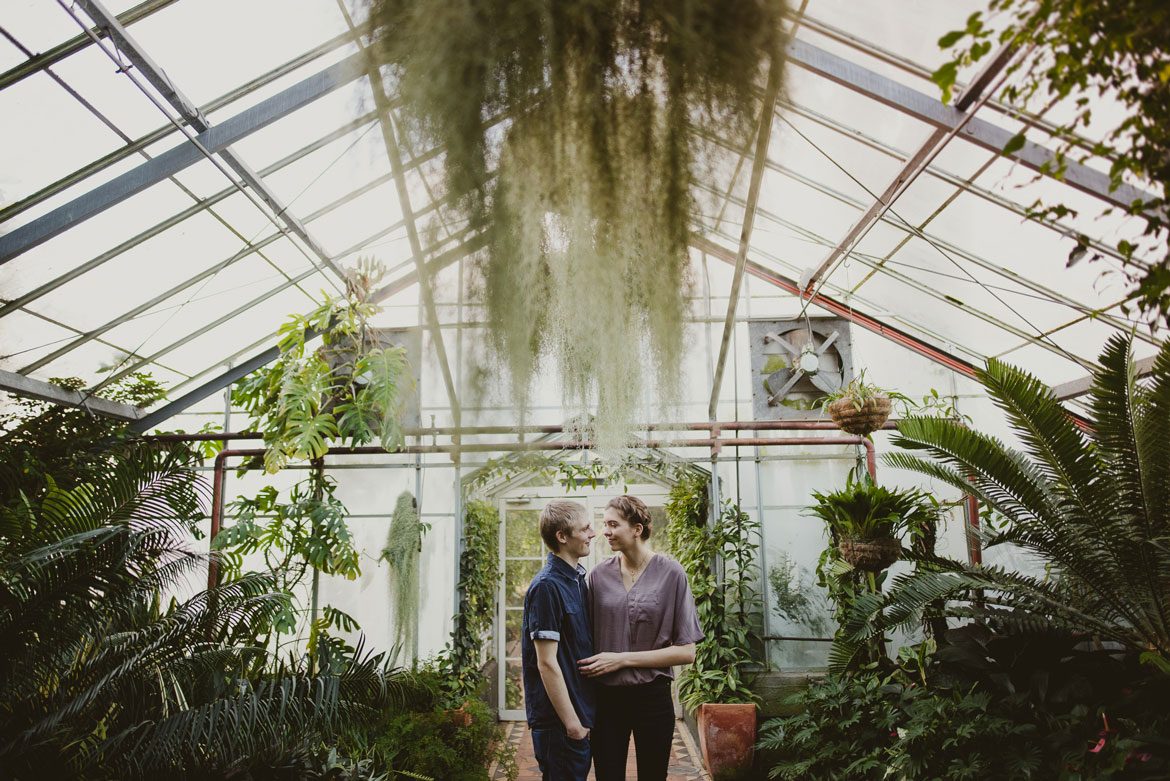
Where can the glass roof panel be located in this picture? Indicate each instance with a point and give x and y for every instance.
(1024, 248)
(209, 349)
(333, 171)
(25, 338)
(92, 73)
(84, 240)
(295, 130)
(39, 26)
(843, 105)
(909, 29)
(178, 39)
(181, 317)
(155, 266)
(53, 136)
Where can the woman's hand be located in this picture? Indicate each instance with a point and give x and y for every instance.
(602, 663)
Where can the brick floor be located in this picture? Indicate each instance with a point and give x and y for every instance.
(685, 764)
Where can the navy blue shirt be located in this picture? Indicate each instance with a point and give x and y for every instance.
(555, 609)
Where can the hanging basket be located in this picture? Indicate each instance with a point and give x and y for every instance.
(873, 415)
(870, 555)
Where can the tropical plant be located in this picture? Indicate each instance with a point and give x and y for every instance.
(1092, 503)
(350, 389)
(719, 561)
(607, 112)
(864, 510)
(102, 678)
(841, 732)
(403, 545)
(858, 391)
(1077, 53)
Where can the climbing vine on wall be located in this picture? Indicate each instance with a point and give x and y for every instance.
(479, 578)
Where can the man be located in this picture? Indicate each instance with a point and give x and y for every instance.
(555, 634)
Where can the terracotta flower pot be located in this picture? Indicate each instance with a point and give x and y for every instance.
(727, 737)
(870, 555)
(873, 415)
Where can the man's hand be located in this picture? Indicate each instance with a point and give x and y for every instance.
(577, 732)
(601, 664)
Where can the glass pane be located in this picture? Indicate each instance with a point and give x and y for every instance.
(522, 535)
(513, 619)
(798, 654)
(517, 575)
(513, 687)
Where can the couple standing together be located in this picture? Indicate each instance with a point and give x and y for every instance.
(598, 649)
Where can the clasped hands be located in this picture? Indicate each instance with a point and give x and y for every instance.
(601, 664)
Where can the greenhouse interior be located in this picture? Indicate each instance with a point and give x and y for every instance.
(340, 338)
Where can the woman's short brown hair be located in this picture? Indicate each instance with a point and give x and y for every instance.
(632, 510)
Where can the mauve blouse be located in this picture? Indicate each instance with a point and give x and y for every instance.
(657, 612)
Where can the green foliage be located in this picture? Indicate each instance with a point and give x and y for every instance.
(842, 732)
(986, 706)
(588, 210)
(859, 392)
(100, 678)
(403, 545)
(1094, 507)
(595, 472)
(349, 389)
(39, 439)
(479, 578)
(434, 740)
(1078, 51)
(728, 606)
(865, 510)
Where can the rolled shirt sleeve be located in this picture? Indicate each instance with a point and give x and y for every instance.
(543, 612)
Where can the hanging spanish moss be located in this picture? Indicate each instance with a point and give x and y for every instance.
(403, 545)
(588, 215)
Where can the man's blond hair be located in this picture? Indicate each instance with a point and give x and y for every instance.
(559, 516)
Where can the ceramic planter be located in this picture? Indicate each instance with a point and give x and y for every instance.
(727, 737)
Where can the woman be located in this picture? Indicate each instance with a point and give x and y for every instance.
(644, 621)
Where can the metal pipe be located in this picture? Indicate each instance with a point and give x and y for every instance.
(758, 425)
(220, 463)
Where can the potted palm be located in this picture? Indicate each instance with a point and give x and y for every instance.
(860, 407)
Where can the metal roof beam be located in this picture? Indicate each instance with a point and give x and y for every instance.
(759, 163)
(59, 52)
(47, 391)
(158, 134)
(190, 113)
(977, 131)
(1079, 387)
(968, 103)
(225, 379)
(180, 157)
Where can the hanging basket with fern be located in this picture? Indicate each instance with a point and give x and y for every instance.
(860, 417)
(870, 555)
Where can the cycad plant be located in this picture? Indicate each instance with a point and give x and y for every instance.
(1092, 503)
(103, 676)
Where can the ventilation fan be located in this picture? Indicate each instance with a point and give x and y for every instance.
(796, 362)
